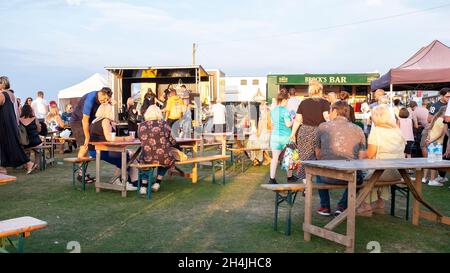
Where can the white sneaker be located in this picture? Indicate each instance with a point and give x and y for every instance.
(424, 180)
(130, 187)
(442, 179)
(435, 183)
(155, 187)
(143, 190)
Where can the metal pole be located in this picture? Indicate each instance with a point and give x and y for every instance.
(392, 93)
(194, 48)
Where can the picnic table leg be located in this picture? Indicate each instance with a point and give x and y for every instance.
(275, 222)
(288, 216)
(224, 145)
(224, 165)
(213, 172)
(351, 208)
(21, 245)
(195, 167)
(308, 205)
(416, 203)
(74, 170)
(97, 170)
(150, 182)
(124, 173)
(83, 174)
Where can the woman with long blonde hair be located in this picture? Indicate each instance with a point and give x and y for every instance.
(54, 120)
(385, 142)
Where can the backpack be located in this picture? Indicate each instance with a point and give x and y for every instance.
(23, 135)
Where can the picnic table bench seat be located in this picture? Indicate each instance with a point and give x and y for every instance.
(79, 163)
(241, 154)
(40, 150)
(22, 227)
(6, 178)
(148, 169)
(288, 193)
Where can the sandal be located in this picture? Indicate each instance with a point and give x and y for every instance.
(364, 212)
(32, 168)
(87, 179)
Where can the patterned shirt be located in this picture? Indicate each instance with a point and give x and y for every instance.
(340, 139)
(157, 142)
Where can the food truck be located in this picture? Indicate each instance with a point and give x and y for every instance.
(356, 84)
(134, 82)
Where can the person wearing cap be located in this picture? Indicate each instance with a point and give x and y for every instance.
(53, 120)
(83, 115)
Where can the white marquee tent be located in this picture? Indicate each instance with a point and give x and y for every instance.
(73, 93)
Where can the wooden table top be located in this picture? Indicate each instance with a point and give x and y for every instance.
(377, 164)
(218, 134)
(181, 140)
(6, 178)
(116, 143)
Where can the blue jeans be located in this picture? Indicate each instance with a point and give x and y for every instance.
(325, 195)
(114, 158)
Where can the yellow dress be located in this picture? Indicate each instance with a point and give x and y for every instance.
(390, 145)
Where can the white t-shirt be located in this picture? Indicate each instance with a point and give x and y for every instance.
(293, 104)
(40, 108)
(447, 112)
(219, 112)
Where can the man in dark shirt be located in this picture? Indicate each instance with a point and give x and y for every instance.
(84, 114)
(444, 96)
(338, 139)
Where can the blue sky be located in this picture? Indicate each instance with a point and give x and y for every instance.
(51, 44)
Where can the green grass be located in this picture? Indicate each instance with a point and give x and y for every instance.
(204, 217)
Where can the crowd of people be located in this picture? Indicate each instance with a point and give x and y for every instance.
(321, 127)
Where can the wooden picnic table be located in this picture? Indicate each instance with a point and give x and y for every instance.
(121, 146)
(115, 146)
(346, 170)
(6, 178)
(222, 138)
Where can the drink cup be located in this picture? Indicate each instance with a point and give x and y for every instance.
(113, 136)
(132, 134)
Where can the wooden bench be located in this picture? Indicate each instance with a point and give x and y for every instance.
(241, 154)
(41, 152)
(77, 165)
(6, 178)
(148, 169)
(288, 193)
(21, 227)
(60, 141)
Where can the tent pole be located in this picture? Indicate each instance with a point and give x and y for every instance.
(391, 93)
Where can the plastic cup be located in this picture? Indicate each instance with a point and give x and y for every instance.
(113, 136)
(132, 134)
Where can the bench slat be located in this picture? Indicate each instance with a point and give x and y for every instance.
(316, 186)
(6, 178)
(185, 162)
(78, 160)
(20, 225)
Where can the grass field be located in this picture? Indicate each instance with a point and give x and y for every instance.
(204, 217)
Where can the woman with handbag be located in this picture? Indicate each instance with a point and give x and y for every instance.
(32, 127)
(281, 131)
(11, 152)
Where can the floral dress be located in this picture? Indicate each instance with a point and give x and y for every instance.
(157, 142)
